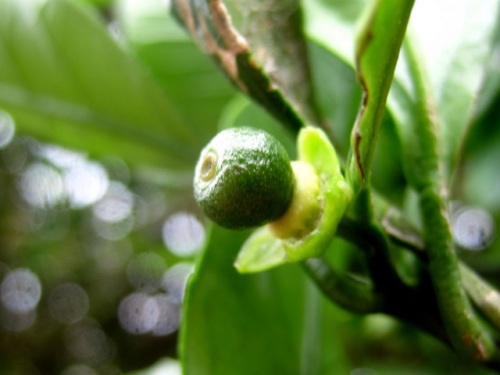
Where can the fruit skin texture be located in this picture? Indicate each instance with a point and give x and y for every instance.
(243, 178)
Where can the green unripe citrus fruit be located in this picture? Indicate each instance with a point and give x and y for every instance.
(243, 178)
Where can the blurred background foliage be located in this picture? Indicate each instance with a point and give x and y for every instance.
(105, 106)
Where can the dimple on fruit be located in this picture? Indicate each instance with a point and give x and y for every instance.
(243, 178)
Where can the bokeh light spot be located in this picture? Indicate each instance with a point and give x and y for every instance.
(113, 215)
(59, 156)
(42, 186)
(166, 366)
(116, 205)
(138, 313)
(21, 291)
(473, 228)
(175, 280)
(86, 182)
(7, 129)
(169, 316)
(183, 234)
(68, 303)
(114, 231)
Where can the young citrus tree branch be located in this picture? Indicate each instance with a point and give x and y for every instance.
(466, 334)
(345, 291)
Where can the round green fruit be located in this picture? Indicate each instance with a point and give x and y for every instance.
(243, 178)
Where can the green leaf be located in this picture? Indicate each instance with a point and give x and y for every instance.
(211, 25)
(273, 30)
(491, 78)
(338, 94)
(453, 42)
(268, 323)
(333, 23)
(415, 121)
(377, 51)
(191, 81)
(432, 88)
(440, 80)
(260, 252)
(84, 91)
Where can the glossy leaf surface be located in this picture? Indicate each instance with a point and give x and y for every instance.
(191, 81)
(58, 98)
(268, 323)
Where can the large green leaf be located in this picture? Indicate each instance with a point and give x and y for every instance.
(273, 30)
(490, 90)
(270, 66)
(269, 323)
(453, 43)
(190, 79)
(440, 74)
(66, 80)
